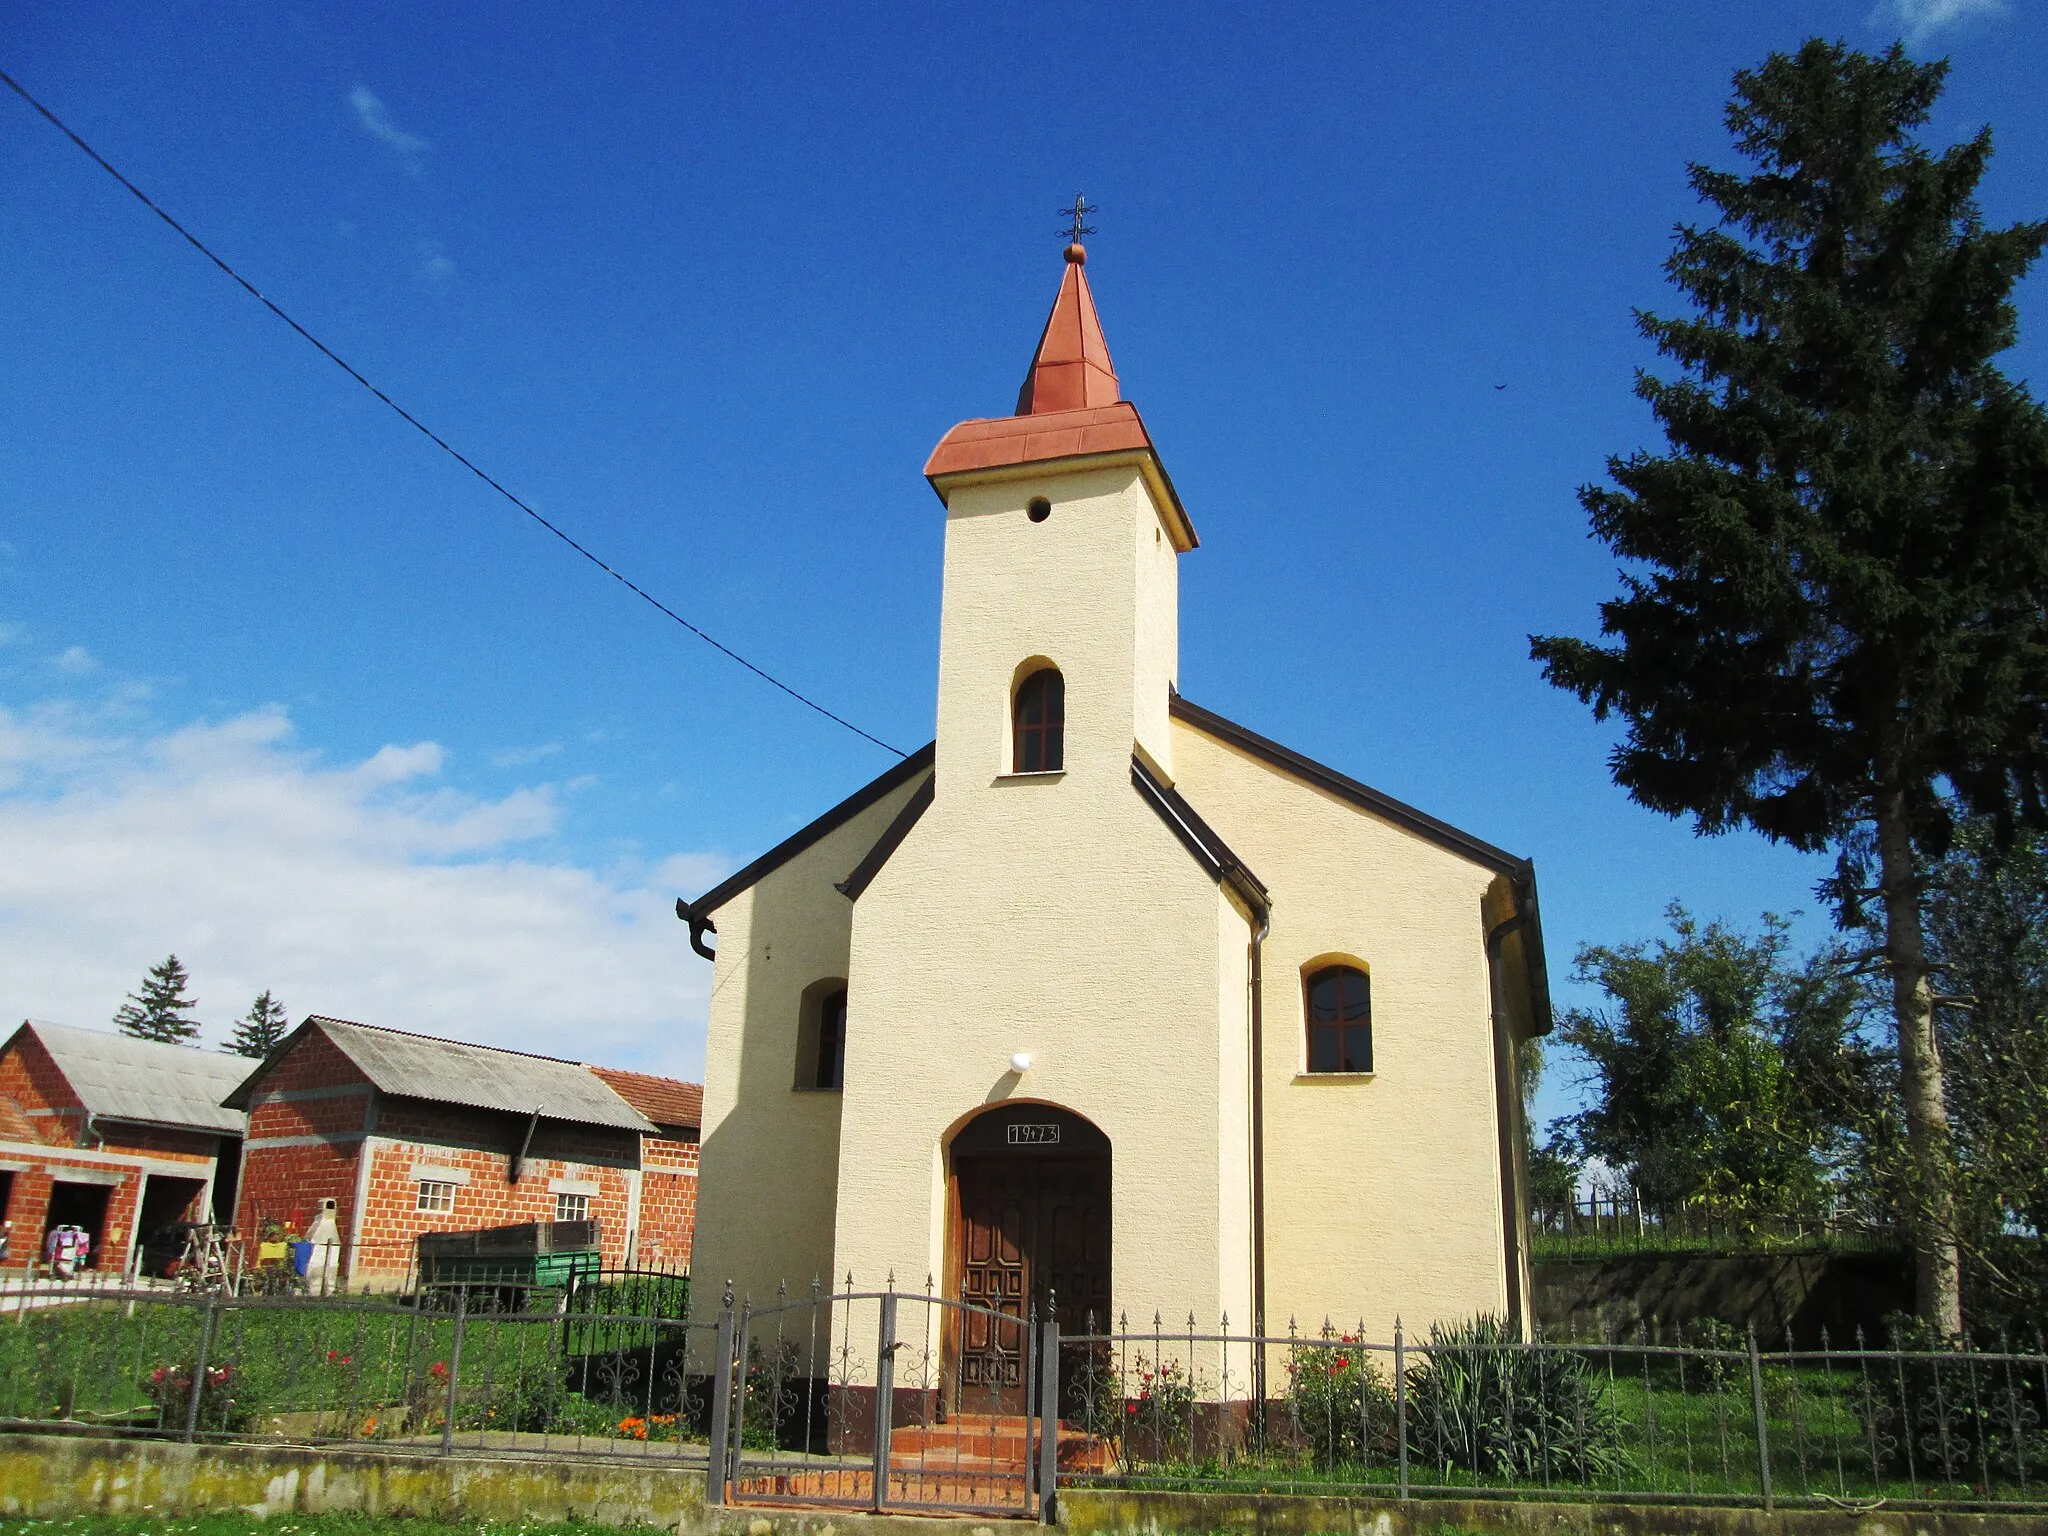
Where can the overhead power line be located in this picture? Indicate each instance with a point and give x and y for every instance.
(428, 432)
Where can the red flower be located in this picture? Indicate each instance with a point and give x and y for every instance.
(438, 1370)
(1130, 1407)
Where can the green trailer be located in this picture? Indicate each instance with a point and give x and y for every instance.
(548, 1255)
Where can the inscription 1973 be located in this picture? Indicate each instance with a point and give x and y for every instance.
(1034, 1135)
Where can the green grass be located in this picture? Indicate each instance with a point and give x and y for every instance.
(1699, 1443)
(321, 1370)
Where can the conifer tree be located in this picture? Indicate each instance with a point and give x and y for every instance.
(258, 1032)
(1833, 624)
(160, 1010)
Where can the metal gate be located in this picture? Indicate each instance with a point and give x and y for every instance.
(885, 1400)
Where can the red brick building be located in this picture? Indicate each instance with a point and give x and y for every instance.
(668, 1162)
(116, 1135)
(408, 1134)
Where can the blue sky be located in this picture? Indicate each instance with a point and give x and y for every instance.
(288, 692)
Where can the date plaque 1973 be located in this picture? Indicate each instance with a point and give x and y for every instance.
(1034, 1135)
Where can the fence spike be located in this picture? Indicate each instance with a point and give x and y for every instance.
(728, 1290)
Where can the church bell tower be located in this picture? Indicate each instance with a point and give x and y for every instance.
(1062, 536)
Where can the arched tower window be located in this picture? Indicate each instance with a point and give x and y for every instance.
(1340, 1020)
(1039, 724)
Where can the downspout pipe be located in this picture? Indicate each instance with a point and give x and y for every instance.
(700, 924)
(1258, 1066)
(1507, 1088)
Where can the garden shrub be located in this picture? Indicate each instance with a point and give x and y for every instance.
(1481, 1402)
(1941, 1413)
(1342, 1406)
(225, 1404)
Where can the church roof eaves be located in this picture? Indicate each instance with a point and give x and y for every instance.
(1006, 447)
(1199, 838)
(891, 839)
(918, 762)
(1344, 787)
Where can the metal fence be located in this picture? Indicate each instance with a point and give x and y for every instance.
(887, 1399)
(1624, 1222)
(1471, 1410)
(503, 1369)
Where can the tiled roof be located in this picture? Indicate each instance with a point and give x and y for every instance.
(664, 1100)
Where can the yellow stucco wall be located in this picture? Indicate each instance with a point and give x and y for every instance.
(767, 1180)
(1382, 1192)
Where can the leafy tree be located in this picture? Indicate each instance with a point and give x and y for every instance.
(1697, 1062)
(1553, 1164)
(1987, 921)
(261, 1030)
(159, 1011)
(1834, 616)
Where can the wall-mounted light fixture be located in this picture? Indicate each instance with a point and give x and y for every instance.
(1020, 1061)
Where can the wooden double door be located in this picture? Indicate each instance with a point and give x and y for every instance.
(1031, 1227)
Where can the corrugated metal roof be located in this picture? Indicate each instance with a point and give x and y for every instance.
(479, 1076)
(118, 1077)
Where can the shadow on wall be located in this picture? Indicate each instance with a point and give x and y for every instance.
(1788, 1298)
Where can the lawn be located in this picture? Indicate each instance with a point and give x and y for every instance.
(349, 1369)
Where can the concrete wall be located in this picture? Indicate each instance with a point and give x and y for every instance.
(61, 1477)
(1627, 1296)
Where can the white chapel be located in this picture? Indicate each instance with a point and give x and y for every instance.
(1102, 995)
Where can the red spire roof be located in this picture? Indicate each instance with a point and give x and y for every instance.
(1069, 408)
(1071, 370)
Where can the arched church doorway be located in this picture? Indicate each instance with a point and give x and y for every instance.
(1028, 1198)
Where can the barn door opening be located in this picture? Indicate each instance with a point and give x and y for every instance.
(1029, 1196)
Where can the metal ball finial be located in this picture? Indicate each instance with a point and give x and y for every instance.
(1077, 254)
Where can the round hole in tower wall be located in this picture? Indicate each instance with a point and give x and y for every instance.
(1038, 509)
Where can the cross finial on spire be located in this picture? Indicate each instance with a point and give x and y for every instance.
(1076, 214)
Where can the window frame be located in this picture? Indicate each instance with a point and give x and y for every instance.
(1341, 1025)
(431, 1203)
(1047, 737)
(565, 1201)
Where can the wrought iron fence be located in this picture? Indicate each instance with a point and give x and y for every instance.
(490, 1368)
(887, 1399)
(1472, 1410)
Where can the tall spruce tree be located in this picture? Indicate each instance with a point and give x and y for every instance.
(159, 1011)
(261, 1030)
(1834, 617)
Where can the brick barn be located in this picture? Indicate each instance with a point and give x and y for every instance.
(410, 1134)
(116, 1135)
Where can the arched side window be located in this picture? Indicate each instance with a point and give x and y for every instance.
(1340, 1020)
(832, 1040)
(821, 1036)
(1039, 723)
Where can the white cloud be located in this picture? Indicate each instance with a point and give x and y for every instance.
(376, 121)
(520, 757)
(436, 265)
(364, 890)
(75, 659)
(1919, 20)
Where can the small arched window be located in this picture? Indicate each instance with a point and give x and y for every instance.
(832, 1040)
(1039, 725)
(1340, 1020)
